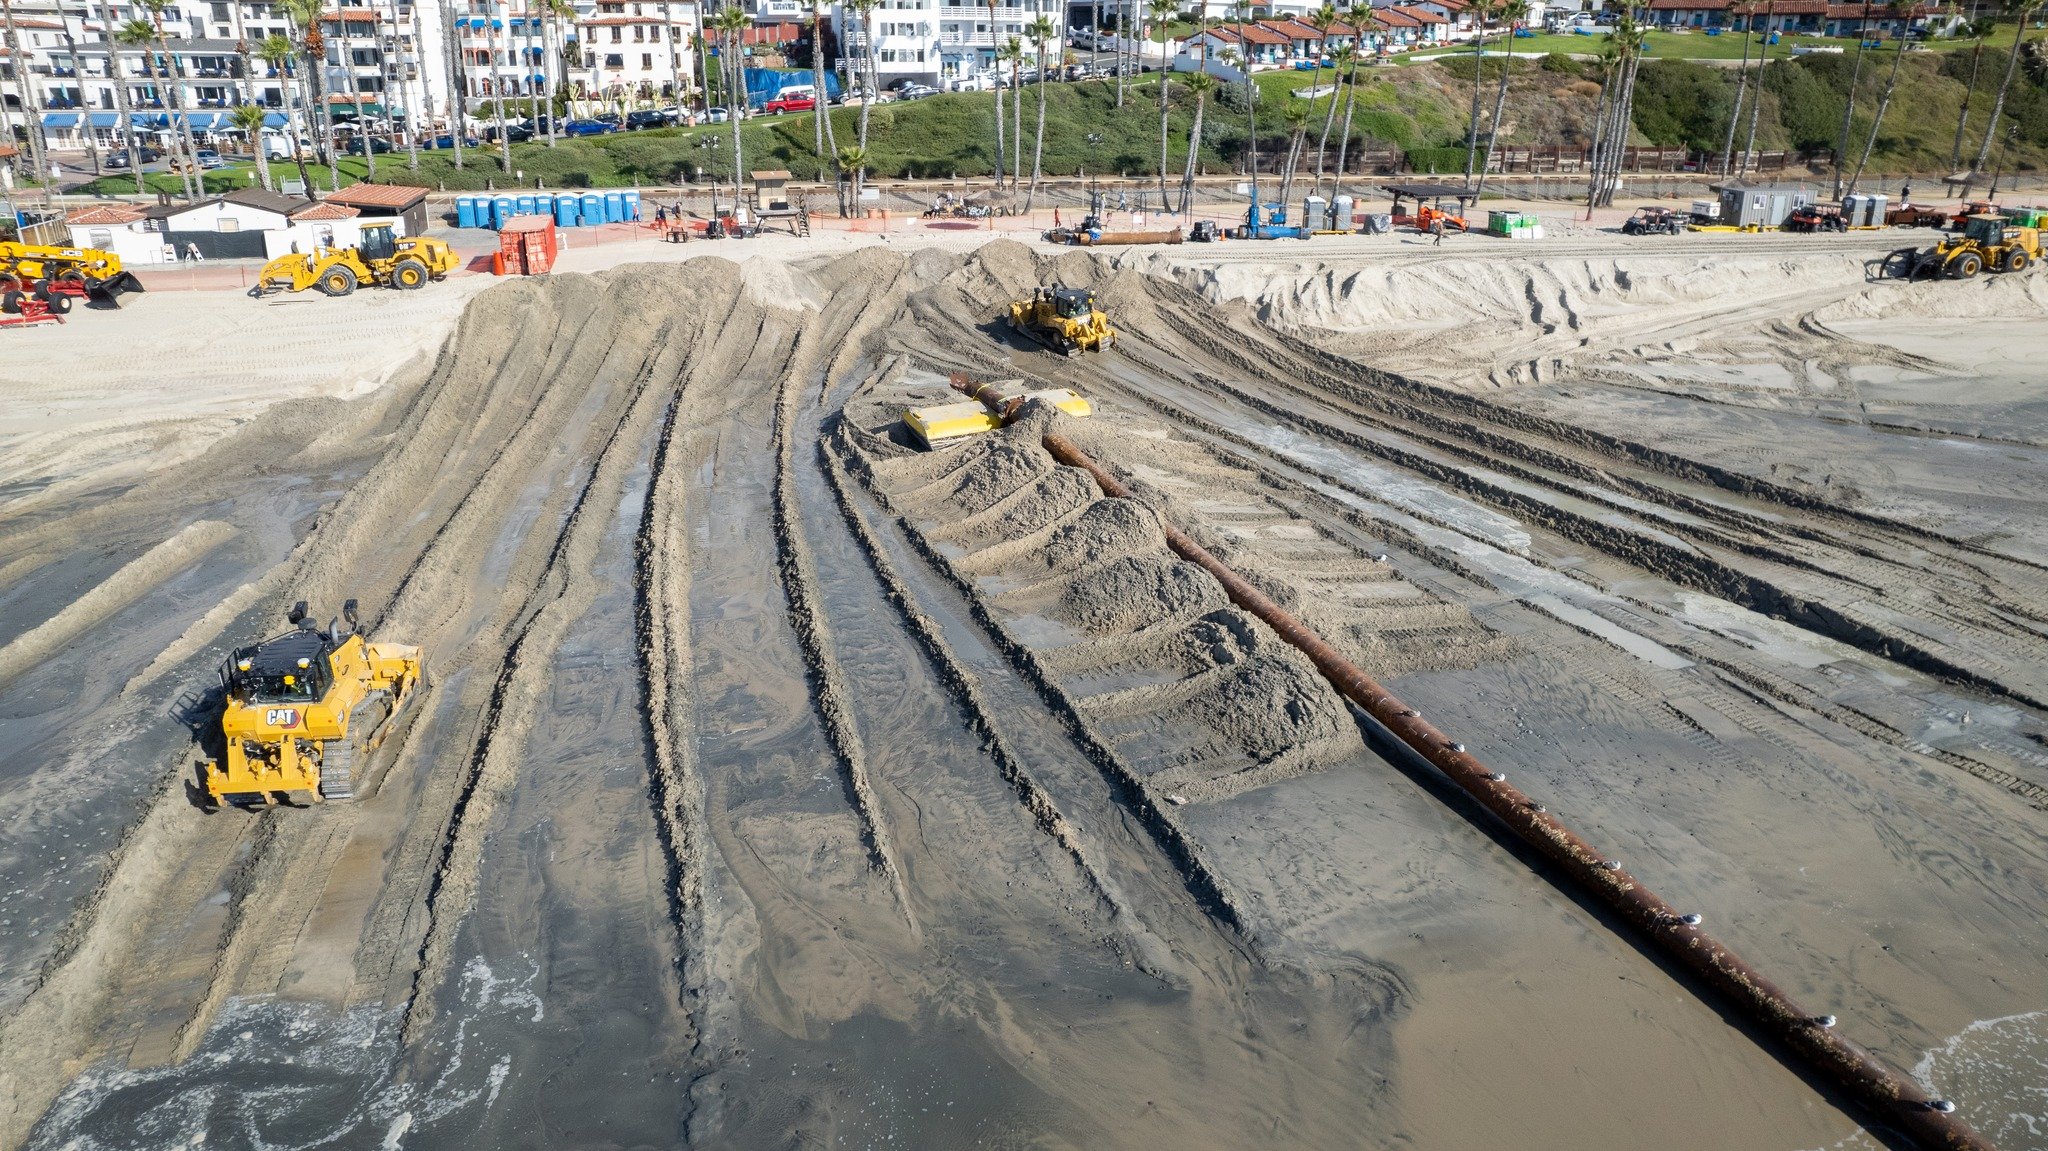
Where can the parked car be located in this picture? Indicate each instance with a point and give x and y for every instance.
(586, 128)
(517, 133)
(611, 118)
(357, 146)
(209, 159)
(647, 118)
(716, 115)
(916, 92)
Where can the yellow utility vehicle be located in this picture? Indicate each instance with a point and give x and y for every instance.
(1063, 319)
(69, 271)
(305, 709)
(1986, 243)
(382, 259)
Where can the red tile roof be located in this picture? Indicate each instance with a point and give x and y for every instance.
(104, 214)
(326, 210)
(1395, 18)
(1421, 15)
(379, 196)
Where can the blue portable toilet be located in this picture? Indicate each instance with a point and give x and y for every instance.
(632, 198)
(526, 205)
(593, 209)
(465, 211)
(614, 207)
(566, 210)
(503, 208)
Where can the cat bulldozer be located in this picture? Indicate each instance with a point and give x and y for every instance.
(304, 710)
(63, 272)
(381, 259)
(1063, 319)
(1986, 243)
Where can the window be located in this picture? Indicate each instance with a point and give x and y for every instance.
(227, 224)
(615, 61)
(647, 61)
(100, 238)
(618, 35)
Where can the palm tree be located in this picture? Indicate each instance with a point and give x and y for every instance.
(277, 51)
(30, 105)
(827, 146)
(1610, 68)
(1322, 20)
(853, 164)
(1482, 12)
(1040, 30)
(1242, 9)
(1735, 112)
(120, 82)
(1350, 101)
(872, 82)
(249, 118)
(156, 10)
(1979, 28)
(1013, 51)
(2019, 10)
(998, 55)
(1514, 12)
(1902, 11)
(1849, 108)
(497, 82)
(457, 98)
(1756, 103)
(140, 33)
(1627, 41)
(732, 23)
(1199, 85)
(305, 16)
(1340, 60)
(245, 54)
(1295, 115)
(1158, 12)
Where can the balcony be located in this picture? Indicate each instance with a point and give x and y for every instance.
(1011, 14)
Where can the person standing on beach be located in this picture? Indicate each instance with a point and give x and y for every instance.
(1436, 228)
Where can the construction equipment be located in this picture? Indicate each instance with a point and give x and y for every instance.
(1810, 218)
(1204, 232)
(1273, 227)
(305, 709)
(74, 271)
(381, 259)
(993, 404)
(1091, 234)
(1916, 216)
(1987, 242)
(1655, 222)
(20, 309)
(1063, 319)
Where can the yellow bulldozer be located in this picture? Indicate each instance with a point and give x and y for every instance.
(65, 271)
(1066, 320)
(305, 709)
(381, 259)
(1986, 243)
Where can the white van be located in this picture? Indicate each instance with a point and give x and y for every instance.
(276, 145)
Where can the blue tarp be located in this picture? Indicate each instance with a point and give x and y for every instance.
(764, 83)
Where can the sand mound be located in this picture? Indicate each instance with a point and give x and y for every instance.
(1272, 704)
(1108, 529)
(1138, 591)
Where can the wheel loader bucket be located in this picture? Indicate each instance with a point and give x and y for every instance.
(111, 289)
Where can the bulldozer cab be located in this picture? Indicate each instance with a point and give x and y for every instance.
(1073, 303)
(1985, 229)
(380, 243)
(291, 668)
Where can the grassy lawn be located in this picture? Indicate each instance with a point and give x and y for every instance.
(1698, 45)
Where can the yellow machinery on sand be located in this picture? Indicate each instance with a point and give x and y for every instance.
(304, 710)
(382, 259)
(70, 271)
(1063, 319)
(941, 426)
(1986, 243)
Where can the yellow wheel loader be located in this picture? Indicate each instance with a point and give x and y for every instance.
(305, 709)
(1986, 243)
(381, 259)
(66, 271)
(1063, 319)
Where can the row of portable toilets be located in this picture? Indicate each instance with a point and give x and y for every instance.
(568, 209)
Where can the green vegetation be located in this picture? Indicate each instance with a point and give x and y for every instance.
(1419, 109)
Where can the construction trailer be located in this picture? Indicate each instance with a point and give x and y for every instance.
(1754, 206)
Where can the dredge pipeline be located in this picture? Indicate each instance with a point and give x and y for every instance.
(1930, 1123)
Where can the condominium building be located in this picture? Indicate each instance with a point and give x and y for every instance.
(931, 42)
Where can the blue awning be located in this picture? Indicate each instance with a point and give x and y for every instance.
(201, 121)
(104, 120)
(539, 79)
(274, 120)
(60, 120)
(462, 21)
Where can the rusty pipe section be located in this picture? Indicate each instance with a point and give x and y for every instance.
(1898, 1101)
